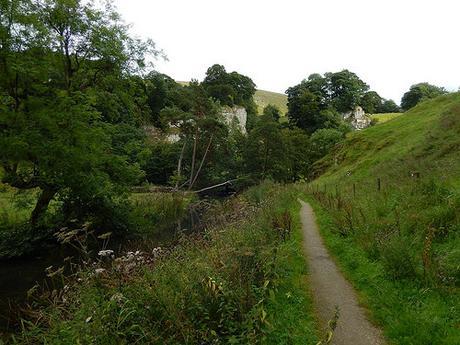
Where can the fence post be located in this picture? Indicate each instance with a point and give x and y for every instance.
(379, 184)
(354, 189)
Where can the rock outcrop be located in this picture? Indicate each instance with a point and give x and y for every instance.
(236, 116)
(357, 118)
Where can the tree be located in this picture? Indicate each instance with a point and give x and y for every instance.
(389, 106)
(296, 147)
(264, 154)
(272, 111)
(58, 60)
(346, 90)
(316, 102)
(322, 141)
(419, 93)
(371, 102)
(228, 88)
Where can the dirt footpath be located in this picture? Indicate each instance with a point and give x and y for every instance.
(331, 289)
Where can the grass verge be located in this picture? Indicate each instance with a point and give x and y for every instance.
(408, 311)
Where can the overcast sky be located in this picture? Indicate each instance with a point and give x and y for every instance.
(390, 44)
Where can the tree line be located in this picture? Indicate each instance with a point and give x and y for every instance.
(78, 91)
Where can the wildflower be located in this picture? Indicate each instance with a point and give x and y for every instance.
(105, 253)
(117, 297)
(99, 271)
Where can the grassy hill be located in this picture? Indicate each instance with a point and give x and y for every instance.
(390, 201)
(264, 98)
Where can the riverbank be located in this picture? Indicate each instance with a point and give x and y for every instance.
(242, 280)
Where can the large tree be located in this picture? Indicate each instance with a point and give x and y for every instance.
(228, 88)
(65, 85)
(345, 89)
(420, 92)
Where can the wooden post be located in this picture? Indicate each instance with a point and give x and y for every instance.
(354, 189)
(379, 184)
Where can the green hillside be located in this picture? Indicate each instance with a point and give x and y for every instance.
(391, 200)
(264, 98)
(425, 139)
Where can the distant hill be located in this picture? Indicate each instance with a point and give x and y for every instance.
(264, 98)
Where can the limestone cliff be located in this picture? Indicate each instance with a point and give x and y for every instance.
(357, 118)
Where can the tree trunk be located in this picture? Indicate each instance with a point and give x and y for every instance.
(192, 169)
(42, 204)
(201, 164)
(179, 165)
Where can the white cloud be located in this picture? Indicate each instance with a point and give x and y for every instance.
(390, 44)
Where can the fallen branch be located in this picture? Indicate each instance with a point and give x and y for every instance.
(215, 186)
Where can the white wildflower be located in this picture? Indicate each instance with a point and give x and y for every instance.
(105, 253)
(99, 270)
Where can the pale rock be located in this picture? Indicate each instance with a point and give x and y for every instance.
(357, 118)
(237, 116)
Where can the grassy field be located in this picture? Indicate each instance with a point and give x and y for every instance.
(388, 201)
(264, 98)
(385, 116)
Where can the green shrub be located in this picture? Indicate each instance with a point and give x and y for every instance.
(397, 259)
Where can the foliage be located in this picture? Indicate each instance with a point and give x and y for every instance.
(239, 282)
(228, 88)
(316, 102)
(419, 93)
(345, 89)
(65, 87)
(371, 102)
(388, 106)
(272, 111)
(323, 141)
(161, 164)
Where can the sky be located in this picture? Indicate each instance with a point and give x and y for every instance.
(390, 44)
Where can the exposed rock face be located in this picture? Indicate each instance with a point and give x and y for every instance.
(357, 118)
(236, 116)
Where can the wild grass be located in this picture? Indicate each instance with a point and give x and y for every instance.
(384, 117)
(153, 212)
(400, 243)
(242, 281)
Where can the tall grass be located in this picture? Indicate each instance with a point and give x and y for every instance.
(241, 281)
(400, 243)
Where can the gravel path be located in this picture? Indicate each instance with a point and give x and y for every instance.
(331, 289)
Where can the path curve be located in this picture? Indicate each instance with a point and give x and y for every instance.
(331, 289)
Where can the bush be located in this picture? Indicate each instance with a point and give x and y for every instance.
(397, 259)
